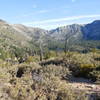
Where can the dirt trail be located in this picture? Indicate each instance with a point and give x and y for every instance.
(84, 84)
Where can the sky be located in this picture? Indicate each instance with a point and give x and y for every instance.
(49, 14)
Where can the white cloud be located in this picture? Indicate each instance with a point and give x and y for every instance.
(54, 23)
(72, 18)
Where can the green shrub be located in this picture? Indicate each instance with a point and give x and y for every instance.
(87, 66)
(58, 71)
(95, 75)
(82, 70)
(50, 54)
(29, 59)
(4, 54)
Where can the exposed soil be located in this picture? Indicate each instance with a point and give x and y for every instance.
(84, 84)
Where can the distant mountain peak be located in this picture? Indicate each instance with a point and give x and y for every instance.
(96, 22)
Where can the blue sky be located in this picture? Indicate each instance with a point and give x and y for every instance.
(49, 14)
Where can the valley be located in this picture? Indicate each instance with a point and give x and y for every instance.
(58, 64)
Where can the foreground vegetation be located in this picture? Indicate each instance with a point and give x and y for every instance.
(51, 78)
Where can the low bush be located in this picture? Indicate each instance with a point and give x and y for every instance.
(50, 54)
(95, 75)
(82, 70)
(29, 59)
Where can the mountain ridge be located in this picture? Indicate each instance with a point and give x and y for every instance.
(23, 34)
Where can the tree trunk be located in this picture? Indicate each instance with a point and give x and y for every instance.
(41, 52)
(66, 49)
